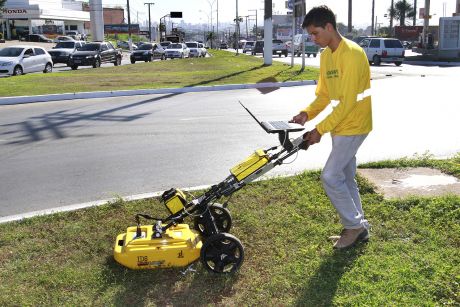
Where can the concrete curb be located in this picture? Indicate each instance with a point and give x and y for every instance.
(106, 94)
(432, 63)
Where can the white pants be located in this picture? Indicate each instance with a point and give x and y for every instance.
(338, 178)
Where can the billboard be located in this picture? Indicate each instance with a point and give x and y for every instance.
(120, 28)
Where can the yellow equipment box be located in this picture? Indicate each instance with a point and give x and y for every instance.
(178, 247)
(252, 163)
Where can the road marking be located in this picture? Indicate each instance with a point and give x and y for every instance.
(200, 118)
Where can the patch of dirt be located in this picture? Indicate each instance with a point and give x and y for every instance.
(420, 181)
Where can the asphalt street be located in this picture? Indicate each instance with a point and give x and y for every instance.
(67, 152)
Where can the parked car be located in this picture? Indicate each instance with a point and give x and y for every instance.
(388, 50)
(74, 34)
(94, 54)
(309, 46)
(64, 38)
(165, 44)
(125, 45)
(62, 51)
(248, 46)
(177, 50)
(38, 38)
(203, 49)
(279, 48)
(223, 46)
(147, 52)
(258, 47)
(18, 60)
(195, 50)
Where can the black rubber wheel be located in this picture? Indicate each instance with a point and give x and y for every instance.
(74, 67)
(376, 60)
(18, 71)
(132, 61)
(222, 253)
(398, 63)
(222, 219)
(117, 61)
(48, 68)
(97, 63)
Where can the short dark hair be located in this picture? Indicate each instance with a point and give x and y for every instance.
(319, 16)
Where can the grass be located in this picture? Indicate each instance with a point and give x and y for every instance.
(222, 68)
(413, 258)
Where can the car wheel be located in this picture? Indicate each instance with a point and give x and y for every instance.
(151, 58)
(163, 57)
(48, 68)
(314, 55)
(183, 56)
(74, 67)
(117, 61)
(398, 63)
(376, 60)
(132, 61)
(97, 63)
(17, 71)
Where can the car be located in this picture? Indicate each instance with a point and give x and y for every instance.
(195, 50)
(147, 52)
(125, 45)
(62, 51)
(38, 38)
(258, 48)
(388, 50)
(177, 50)
(165, 44)
(223, 46)
(279, 48)
(74, 34)
(94, 54)
(18, 60)
(203, 49)
(248, 46)
(309, 46)
(58, 39)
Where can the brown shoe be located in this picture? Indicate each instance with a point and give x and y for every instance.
(350, 237)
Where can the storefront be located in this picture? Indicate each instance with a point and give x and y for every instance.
(18, 19)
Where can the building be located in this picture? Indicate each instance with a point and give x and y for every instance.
(52, 17)
(112, 16)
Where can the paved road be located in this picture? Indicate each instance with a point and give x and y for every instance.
(62, 153)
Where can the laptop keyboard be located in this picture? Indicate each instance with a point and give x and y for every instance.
(282, 125)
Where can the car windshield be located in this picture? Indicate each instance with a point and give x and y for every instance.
(392, 43)
(250, 43)
(90, 47)
(165, 44)
(192, 45)
(69, 45)
(145, 47)
(11, 52)
(175, 46)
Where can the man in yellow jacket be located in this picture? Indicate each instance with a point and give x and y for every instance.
(344, 82)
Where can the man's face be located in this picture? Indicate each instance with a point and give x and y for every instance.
(321, 36)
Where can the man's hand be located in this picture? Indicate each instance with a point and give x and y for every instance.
(312, 137)
(300, 118)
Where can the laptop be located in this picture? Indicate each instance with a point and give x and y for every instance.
(275, 126)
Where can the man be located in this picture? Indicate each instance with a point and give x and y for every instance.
(345, 82)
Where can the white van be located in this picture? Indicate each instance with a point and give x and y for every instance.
(309, 46)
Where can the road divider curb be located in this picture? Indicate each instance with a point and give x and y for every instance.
(107, 94)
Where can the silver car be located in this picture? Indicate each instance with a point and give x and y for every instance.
(177, 51)
(18, 60)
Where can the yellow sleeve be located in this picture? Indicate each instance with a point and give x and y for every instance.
(322, 96)
(348, 89)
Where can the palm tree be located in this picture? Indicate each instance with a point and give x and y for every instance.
(401, 11)
(2, 3)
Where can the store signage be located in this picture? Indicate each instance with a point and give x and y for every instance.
(14, 11)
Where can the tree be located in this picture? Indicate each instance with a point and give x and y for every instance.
(2, 3)
(401, 11)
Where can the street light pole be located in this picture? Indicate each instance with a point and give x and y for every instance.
(150, 23)
(130, 43)
(256, 23)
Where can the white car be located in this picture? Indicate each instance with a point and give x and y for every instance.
(177, 50)
(388, 50)
(203, 49)
(195, 50)
(18, 60)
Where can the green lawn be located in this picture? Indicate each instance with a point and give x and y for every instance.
(412, 259)
(222, 68)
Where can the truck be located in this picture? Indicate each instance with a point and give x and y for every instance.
(279, 48)
(309, 46)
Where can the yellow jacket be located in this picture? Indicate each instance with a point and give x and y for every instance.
(345, 81)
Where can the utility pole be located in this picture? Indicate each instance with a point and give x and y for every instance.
(373, 14)
(150, 24)
(130, 42)
(237, 28)
(391, 17)
(268, 32)
(415, 13)
(350, 25)
(217, 21)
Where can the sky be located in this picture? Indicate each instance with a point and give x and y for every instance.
(199, 11)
